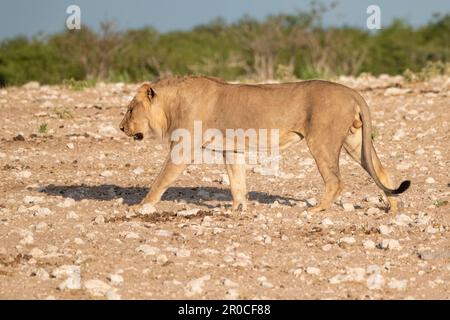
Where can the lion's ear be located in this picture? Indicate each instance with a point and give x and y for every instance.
(151, 93)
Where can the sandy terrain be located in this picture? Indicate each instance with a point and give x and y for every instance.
(66, 231)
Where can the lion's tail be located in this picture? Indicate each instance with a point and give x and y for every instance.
(367, 149)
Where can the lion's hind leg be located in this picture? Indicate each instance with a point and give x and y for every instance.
(327, 160)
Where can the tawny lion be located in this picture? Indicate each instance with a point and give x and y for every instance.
(327, 115)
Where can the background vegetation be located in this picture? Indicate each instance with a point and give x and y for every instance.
(282, 46)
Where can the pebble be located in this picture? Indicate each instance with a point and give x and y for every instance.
(68, 202)
(369, 244)
(347, 240)
(196, 286)
(138, 171)
(375, 281)
(147, 209)
(390, 244)
(373, 211)
(100, 219)
(71, 215)
(70, 146)
(113, 295)
(262, 281)
(42, 212)
(430, 180)
(106, 174)
(398, 284)
(313, 271)
(115, 279)
(162, 259)
(402, 220)
(23, 174)
(327, 222)
(96, 288)
(32, 200)
(148, 250)
(188, 213)
(385, 230)
(348, 207)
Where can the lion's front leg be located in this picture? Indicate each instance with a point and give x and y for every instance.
(169, 173)
(236, 173)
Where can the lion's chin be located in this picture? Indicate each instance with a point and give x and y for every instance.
(138, 136)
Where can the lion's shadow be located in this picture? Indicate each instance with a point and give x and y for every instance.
(133, 195)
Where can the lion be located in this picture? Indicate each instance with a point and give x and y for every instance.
(327, 115)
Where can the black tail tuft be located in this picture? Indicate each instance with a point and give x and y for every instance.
(403, 187)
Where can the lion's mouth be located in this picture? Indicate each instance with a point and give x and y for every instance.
(138, 136)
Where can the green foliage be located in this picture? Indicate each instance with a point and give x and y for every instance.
(281, 46)
(43, 128)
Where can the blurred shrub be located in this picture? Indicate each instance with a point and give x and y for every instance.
(281, 46)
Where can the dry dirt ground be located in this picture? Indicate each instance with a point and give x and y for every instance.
(66, 231)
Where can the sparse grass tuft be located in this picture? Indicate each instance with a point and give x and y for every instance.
(43, 128)
(63, 114)
(78, 85)
(440, 203)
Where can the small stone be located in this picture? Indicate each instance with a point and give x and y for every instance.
(264, 283)
(327, 222)
(138, 171)
(72, 216)
(385, 230)
(369, 244)
(106, 174)
(68, 202)
(196, 286)
(113, 295)
(375, 281)
(224, 179)
(402, 220)
(33, 200)
(298, 272)
(326, 247)
(115, 279)
(390, 244)
(70, 146)
(188, 213)
(430, 180)
(147, 209)
(373, 211)
(162, 259)
(313, 271)
(100, 219)
(42, 212)
(97, 288)
(347, 240)
(398, 284)
(348, 207)
(148, 250)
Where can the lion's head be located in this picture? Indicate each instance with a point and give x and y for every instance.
(143, 115)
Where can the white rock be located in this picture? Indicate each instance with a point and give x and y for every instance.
(162, 259)
(148, 250)
(147, 209)
(402, 220)
(368, 244)
(398, 284)
(97, 288)
(163, 233)
(138, 171)
(430, 180)
(187, 213)
(24, 174)
(113, 295)
(390, 244)
(42, 212)
(115, 279)
(33, 200)
(399, 134)
(107, 174)
(347, 240)
(70, 146)
(196, 286)
(327, 222)
(65, 270)
(313, 271)
(72, 215)
(348, 207)
(100, 219)
(385, 230)
(373, 211)
(298, 272)
(375, 281)
(262, 281)
(108, 131)
(68, 202)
